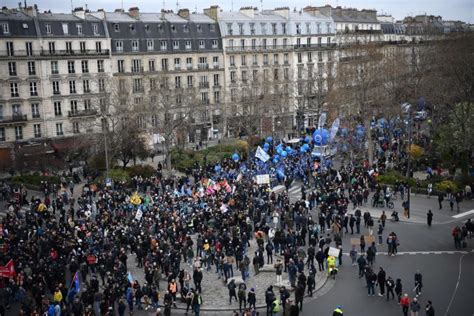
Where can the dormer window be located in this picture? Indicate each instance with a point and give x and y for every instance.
(95, 28)
(198, 27)
(212, 27)
(160, 27)
(241, 28)
(5, 28)
(132, 28)
(65, 28)
(48, 28)
(252, 28)
(79, 29)
(185, 28)
(298, 28)
(229, 29)
(25, 26)
(173, 28)
(116, 27)
(147, 28)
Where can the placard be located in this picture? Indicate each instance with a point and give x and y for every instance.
(263, 179)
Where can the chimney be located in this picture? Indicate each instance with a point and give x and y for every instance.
(101, 14)
(212, 12)
(283, 11)
(134, 12)
(31, 11)
(184, 13)
(80, 13)
(248, 11)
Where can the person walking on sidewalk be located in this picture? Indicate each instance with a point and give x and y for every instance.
(381, 279)
(398, 289)
(232, 294)
(429, 309)
(390, 286)
(415, 307)
(279, 271)
(418, 282)
(405, 304)
(429, 218)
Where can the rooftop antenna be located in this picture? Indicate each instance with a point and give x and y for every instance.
(163, 5)
(72, 6)
(122, 5)
(232, 6)
(177, 6)
(261, 5)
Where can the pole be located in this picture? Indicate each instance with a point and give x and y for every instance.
(106, 147)
(409, 161)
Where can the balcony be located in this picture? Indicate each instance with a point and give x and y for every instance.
(204, 85)
(13, 119)
(82, 113)
(236, 49)
(314, 46)
(23, 54)
(203, 66)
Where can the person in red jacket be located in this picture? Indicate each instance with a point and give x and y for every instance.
(405, 303)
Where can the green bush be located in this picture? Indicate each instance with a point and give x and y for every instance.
(116, 175)
(446, 185)
(145, 171)
(393, 177)
(33, 181)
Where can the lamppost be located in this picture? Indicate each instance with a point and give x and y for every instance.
(406, 108)
(105, 130)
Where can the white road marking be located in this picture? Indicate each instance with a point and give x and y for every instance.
(463, 214)
(421, 253)
(457, 285)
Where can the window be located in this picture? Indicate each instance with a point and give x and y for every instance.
(175, 44)
(177, 82)
(5, 28)
(85, 86)
(241, 28)
(35, 113)
(150, 45)
(173, 28)
(52, 47)
(283, 28)
(65, 28)
(233, 94)
(137, 85)
(202, 44)
(82, 47)
(308, 28)
(263, 27)
(198, 28)
(189, 62)
(95, 28)
(185, 28)
(151, 65)
(298, 28)
(18, 132)
(87, 105)
(160, 27)
(215, 61)
(164, 64)
(135, 46)
(10, 49)
(75, 127)
(56, 87)
(71, 67)
(310, 57)
(57, 108)
(29, 48)
(1, 111)
(274, 28)
(98, 47)
(177, 63)
(265, 59)
(276, 74)
(31, 68)
(215, 44)
(190, 81)
(122, 85)
(72, 87)
(33, 89)
(264, 43)
(2, 134)
(12, 68)
(85, 66)
(244, 76)
(116, 27)
(205, 97)
(232, 76)
(298, 42)
(187, 44)
(136, 65)
(120, 67)
(308, 42)
(229, 29)
(255, 59)
(286, 73)
(100, 65)
(48, 29)
(243, 60)
(252, 28)
(242, 44)
(275, 59)
(37, 130)
(14, 90)
(318, 28)
(119, 46)
(132, 27)
(300, 58)
(69, 47)
(73, 104)
(163, 45)
(16, 109)
(101, 85)
(216, 80)
(59, 129)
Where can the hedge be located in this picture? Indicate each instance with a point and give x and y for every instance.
(392, 178)
(33, 181)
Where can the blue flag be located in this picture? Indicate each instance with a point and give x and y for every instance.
(77, 285)
(129, 277)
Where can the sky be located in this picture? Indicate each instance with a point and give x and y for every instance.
(449, 9)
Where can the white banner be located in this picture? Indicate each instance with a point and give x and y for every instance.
(263, 179)
(261, 154)
(138, 215)
(333, 252)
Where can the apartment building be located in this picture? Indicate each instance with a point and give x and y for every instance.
(177, 54)
(54, 66)
(264, 51)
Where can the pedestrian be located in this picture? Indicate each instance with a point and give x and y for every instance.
(269, 298)
(398, 289)
(383, 218)
(252, 298)
(197, 302)
(338, 311)
(311, 281)
(232, 293)
(284, 296)
(362, 264)
(269, 249)
(173, 289)
(353, 255)
(429, 218)
(415, 307)
(405, 304)
(362, 243)
(440, 200)
(418, 282)
(242, 296)
(381, 279)
(299, 295)
(429, 309)
(371, 279)
(380, 232)
(390, 286)
(279, 271)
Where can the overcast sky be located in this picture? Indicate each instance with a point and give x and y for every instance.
(448, 9)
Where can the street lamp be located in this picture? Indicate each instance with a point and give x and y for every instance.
(406, 108)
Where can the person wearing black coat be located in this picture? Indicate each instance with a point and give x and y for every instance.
(381, 278)
(299, 296)
(429, 309)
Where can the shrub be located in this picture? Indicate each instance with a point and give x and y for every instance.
(145, 171)
(116, 175)
(33, 181)
(446, 185)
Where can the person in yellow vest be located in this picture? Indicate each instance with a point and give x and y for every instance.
(332, 270)
(173, 289)
(58, 296)
(275, 306)
(337, 311)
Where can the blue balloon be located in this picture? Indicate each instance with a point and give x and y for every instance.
(307, 139)
(321, 137)
(269, 139)
(280, 174)
(279, 150)
(306, 146)
(266, 145)
(276, 160)
(289, 149)
(303, 150)
(235, 157)
(284, 153)
(217, 168)
(265, 149)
